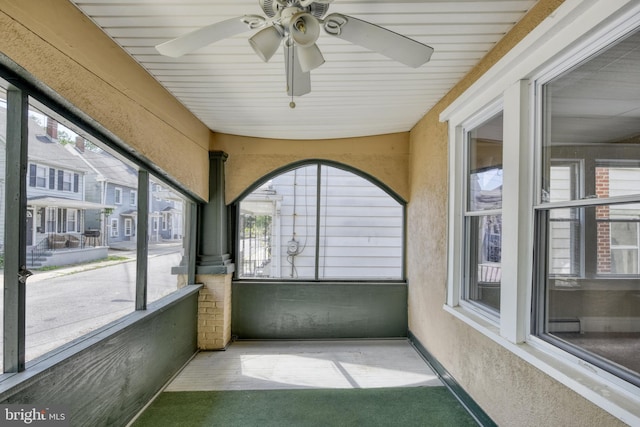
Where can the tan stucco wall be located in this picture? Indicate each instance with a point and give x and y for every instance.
(511, 391)
(385, 157)
(63, 49)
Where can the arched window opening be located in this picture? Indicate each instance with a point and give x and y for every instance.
(320, 222)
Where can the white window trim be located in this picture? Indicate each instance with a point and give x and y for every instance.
(575, 28)
(128, 229)
(116, 191)
(635, 247)
(117, 227)
(45, 177)
(133, 198)
(462, 171)
(72, 225)
(67, 180)
(50, 219)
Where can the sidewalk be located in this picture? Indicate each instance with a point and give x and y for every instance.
(72, 269)
(132, 245)
(125, 250)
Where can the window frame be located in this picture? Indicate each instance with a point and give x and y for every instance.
(128, 227)
(235, 214)
(626, 247)
(577, 170)
(577, 30)
(67, 181)
(23, 93)
(165, 220)
(604, 369)
(40, 178)
(51, 214)
(73, 220)
(114, 231)
(37, 179)
(469, 214)
(117, 195)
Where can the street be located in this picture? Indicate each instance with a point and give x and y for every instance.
(65, 304)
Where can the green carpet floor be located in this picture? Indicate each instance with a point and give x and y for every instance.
(415, 406)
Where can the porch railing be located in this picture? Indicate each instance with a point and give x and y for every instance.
(38, 251)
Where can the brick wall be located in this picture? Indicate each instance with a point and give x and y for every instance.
(603, 227)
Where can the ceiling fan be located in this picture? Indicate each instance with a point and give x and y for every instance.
(296, 24)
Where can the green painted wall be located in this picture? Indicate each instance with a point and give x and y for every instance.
(120, 369)
(313, 310)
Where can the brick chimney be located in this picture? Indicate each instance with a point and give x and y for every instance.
(52, 128)
(80, 144)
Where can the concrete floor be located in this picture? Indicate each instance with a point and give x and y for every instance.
(267, 365)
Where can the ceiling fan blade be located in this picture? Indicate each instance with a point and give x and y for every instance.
(305, 3)
(298, 81)
(373, 37)
(204, 36)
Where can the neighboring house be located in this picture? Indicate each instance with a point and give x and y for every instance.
(56, 203)
(165, 214)
(113, 183)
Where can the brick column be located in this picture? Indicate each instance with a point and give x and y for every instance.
(214, 311)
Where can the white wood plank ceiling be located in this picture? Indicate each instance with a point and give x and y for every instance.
(356, 92)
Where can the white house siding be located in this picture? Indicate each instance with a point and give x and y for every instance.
(361, 227)
(34, 192)
(560, 250)
(297, 221)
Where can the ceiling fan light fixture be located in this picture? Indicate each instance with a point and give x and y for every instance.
(310, 57)
(304, 29)
(266, 42)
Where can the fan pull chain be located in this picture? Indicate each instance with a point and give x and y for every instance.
(292, 104)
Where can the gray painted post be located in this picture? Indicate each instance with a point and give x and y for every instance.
(142, 235)
(15, 253)
(213, 256)
(192, 230)
(187, 264)
(318, 218)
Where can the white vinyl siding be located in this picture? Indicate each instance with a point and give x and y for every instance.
(360, 229)
(359, 232)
